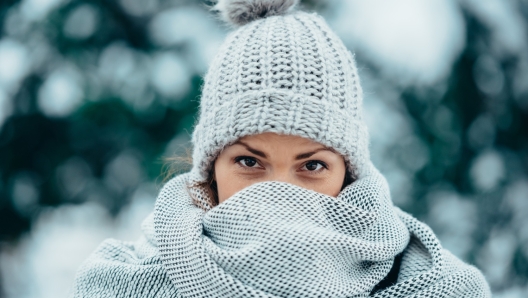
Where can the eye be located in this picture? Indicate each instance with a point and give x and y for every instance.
(247, 161)
(314, 166)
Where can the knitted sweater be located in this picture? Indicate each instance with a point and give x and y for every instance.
(275, 239)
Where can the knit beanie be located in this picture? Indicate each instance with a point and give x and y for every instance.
(284, 71)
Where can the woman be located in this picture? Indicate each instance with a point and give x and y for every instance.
(282, 199)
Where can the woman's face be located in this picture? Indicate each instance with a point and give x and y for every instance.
(273, 157)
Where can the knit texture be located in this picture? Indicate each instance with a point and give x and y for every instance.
(288, 74)
(275, 239)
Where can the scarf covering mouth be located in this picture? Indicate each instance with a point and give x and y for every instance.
(274, 239)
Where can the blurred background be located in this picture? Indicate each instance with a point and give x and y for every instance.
(94, 94)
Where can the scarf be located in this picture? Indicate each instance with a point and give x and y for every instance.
(274, 239)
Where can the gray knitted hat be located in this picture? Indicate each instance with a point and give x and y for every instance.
(281, 71)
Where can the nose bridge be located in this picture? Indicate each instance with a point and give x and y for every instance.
(282, 174)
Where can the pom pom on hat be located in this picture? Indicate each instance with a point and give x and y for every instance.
(241, 12)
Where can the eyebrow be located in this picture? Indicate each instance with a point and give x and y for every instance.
(298, 157)
(252, 150)
(308, 154)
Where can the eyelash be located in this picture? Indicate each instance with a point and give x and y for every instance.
(323, 167)
(238, 160)
(241, 158)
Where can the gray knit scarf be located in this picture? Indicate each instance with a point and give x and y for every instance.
(275, 239)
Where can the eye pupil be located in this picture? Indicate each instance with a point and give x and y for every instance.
(249, 162)
(311, 166)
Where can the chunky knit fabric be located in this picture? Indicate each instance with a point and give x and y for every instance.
(275, 239)
(288, 74)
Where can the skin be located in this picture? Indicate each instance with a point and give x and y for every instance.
(274, 157)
